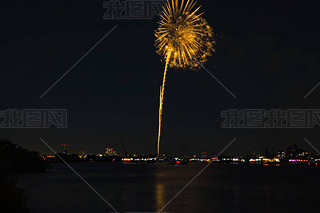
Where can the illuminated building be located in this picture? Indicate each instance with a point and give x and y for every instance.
(264, 160)
(293, 151)
(82, 154)
(110, 152)
(233, 160)
(281, 154)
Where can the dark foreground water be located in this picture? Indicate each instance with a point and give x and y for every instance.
(147, 188)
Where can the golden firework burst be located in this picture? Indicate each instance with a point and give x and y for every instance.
(184, 38)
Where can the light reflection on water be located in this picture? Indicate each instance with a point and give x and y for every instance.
(160, 196)
(147, 188)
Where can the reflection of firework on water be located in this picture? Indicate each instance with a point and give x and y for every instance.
(184, 40)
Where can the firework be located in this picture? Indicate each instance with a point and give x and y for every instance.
(183, 39)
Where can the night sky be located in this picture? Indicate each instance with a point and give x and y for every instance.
(267, 54)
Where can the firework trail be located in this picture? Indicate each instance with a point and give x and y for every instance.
(184, 40)
(161, 99)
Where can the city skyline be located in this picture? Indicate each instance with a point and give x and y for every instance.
(110, 151)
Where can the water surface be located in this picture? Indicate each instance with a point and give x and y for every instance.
(147, 188)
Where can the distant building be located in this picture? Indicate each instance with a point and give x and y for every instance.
(293, 151)
(204, 155)
(82, 154)
(66, 148)
(281, 154)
